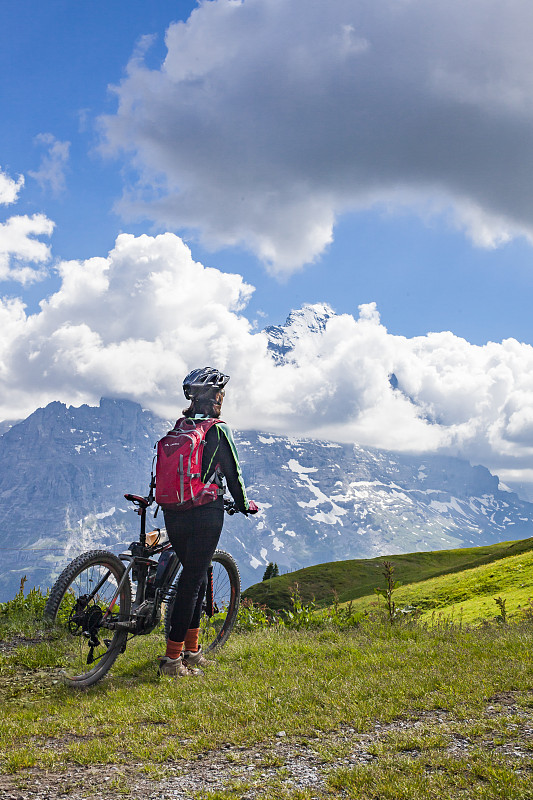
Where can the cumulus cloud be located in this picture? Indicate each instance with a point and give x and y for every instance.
(9, 188)
(127, 325)
(134, 323)
(268, 120)
(51, 173)
(19, 249)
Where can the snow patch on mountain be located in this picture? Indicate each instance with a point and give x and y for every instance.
(63, 473)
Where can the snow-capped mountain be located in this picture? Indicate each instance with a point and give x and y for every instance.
(63, 473)
(309, 319)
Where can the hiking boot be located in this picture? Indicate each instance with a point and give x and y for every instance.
(176, 668)
(196, 659)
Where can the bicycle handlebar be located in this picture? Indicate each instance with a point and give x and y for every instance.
(230, 507)
(143, 502)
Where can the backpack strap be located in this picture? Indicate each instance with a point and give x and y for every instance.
(180, 423)
(212, 477)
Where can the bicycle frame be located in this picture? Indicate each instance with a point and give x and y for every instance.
(140, 558)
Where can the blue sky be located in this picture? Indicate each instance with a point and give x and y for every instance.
(57, 61)
(346, 153)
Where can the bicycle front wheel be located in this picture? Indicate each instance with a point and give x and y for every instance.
(77, 607)
(221, 603)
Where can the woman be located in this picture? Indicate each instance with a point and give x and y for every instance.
(194, 531)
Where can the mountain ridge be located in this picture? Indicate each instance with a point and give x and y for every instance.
(64, 470)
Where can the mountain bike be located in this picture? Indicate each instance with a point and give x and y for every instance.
(90, 606)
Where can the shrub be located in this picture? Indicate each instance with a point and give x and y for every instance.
(342, 617)
(300, 614)
(32, 604)
(502, 616)
(252, 615)
(388, 591)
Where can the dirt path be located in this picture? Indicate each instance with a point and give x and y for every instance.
(295, 764)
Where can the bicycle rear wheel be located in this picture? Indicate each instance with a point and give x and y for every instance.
(76, 607)
(221, 604)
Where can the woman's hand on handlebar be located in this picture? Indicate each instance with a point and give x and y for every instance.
(231, 508)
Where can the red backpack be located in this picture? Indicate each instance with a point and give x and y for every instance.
(178, 473)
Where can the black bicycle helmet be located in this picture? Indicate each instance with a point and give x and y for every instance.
(199, 381)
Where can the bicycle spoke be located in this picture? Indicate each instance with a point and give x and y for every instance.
(78, 604)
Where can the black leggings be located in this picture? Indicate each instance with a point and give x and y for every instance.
(194, 535)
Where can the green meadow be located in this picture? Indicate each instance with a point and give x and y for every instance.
(439, 701)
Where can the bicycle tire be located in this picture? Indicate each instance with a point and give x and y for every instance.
(72, 620)
(215, 629)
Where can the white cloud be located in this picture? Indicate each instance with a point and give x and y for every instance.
(125, 325)
(268, 119)
(9, 189)
(134, 323)
(51, 173)
(19, 249)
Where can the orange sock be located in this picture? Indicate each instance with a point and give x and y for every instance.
(174, 649)
(191, 640)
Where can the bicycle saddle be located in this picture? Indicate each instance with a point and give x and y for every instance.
(142, 502)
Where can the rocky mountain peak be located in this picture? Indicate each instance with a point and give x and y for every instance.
(310, 319)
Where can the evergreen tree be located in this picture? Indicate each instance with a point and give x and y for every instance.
(272, 571)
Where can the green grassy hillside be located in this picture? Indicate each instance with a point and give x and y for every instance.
(357, 579)
(469, 595)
